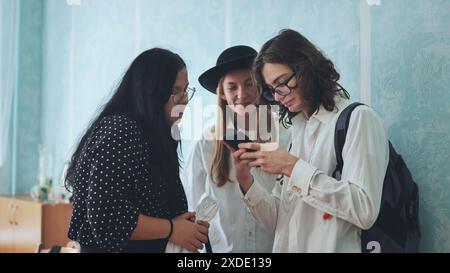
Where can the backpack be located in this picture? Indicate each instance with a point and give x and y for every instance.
(397, 227)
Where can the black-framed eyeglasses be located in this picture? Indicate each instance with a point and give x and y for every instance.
(283, 89)
(184, 96)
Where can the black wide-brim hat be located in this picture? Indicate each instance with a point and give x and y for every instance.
(236, 57)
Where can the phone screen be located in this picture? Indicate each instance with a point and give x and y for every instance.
(236, 140)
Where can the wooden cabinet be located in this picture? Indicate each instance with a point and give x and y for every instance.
(24, 224)
(6, 225)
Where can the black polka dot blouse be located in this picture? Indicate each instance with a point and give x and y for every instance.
(116, 180)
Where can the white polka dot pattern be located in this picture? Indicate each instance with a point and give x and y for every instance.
(115, 181)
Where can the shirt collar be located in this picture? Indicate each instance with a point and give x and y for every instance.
(326, 116)
(323, 115)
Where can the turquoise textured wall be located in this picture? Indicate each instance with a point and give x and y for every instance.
(411, 91)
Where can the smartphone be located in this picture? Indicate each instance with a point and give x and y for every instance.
(234, 142)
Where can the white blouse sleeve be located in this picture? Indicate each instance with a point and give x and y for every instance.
(356, 197)
(262, 204)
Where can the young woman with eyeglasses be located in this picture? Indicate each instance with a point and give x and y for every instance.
(310, 210)
(124, 173)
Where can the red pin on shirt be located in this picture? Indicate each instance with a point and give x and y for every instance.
(326, 216)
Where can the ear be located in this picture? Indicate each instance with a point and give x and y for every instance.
(222, 97)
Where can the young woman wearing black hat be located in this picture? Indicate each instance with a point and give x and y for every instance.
(210, 169)
(127, 195)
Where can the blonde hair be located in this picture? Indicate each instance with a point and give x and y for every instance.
(220, 164)
(221, 157)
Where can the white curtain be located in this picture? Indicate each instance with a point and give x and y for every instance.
(8, 61)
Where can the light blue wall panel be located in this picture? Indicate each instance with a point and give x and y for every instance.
(8, 19)
(95, 43)
(56, 77)
(195, 30)
(411, 79)
(29, 91)
(333, 26)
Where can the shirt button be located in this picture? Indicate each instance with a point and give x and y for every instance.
(296, 189)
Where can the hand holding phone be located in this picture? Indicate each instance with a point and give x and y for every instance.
(236, 140)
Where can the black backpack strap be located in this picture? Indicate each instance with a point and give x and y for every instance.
(208, 247)
(341, 133)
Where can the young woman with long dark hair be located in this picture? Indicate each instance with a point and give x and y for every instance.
(124, 173)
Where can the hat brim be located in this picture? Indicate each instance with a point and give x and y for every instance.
(210, 79)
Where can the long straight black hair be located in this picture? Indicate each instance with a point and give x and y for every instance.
(142, 94)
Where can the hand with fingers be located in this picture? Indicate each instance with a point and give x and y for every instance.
(243, 175)
(189, 234)
(270, 157)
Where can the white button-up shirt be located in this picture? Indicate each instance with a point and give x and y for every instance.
(313, 212)
(233, 229)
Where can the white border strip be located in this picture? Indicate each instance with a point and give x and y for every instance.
(365, 53)
(228, 22)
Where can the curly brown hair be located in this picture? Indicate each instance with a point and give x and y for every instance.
(319, 78)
